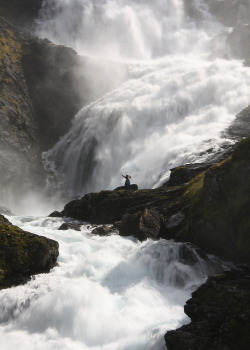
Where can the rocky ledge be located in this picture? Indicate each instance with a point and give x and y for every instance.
(207, 205)
(23, 254)
(220, 314)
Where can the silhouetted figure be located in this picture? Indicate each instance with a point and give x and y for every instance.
(127, 182)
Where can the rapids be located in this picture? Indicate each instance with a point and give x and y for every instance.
(107, 293)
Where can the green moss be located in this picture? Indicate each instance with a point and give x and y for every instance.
(20, 251)
(9, 46)
(194, 189)
(219, 207)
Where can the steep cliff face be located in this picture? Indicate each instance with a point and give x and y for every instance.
(43, 86)
(19, 151)
(218, 219)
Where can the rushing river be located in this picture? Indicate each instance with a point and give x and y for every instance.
(106, 293)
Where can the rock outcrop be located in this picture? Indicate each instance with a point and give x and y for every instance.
(218, 218)
(220, 315)
(143, 224)
(210, 209)
(23, 254)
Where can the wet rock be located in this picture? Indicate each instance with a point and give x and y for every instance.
(102, 230)
(185, 173)
(220, 314)
(55, 214)
(174, 224)
(218, 218)
(70, 226)
(240, 127)
(109, 206)
(23, 254)
(133, 187)
(142, 225)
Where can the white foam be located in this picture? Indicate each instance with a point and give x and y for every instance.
(107, 293)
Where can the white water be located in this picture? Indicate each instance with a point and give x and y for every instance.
(173, 106)
(107, 293)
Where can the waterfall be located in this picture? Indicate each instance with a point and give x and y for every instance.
(177, 98)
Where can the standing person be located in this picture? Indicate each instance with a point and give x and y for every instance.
(127, 182)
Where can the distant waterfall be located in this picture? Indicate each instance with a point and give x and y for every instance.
(173, 106)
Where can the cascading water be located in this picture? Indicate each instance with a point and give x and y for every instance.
(115, 293)
(172, 108)
(107, 293)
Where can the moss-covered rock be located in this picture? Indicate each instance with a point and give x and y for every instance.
(23, 254)
(219, 199)
(109, 206)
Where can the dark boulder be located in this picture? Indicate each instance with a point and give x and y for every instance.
(55, 214)
(107, 207)
(70, 226)
(143, 225)
(220, 314)
(174, 224)
(23, 254)
(102, 230)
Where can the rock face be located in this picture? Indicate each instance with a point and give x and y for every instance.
(43, 86)
(220, 314)
(143, 225)
(40, 94)
(218, 218)
(20, 162)
(23, 254)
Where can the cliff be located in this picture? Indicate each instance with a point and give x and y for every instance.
(43, 86)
